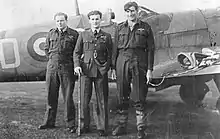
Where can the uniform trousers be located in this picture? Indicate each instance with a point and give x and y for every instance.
(129, 71)
(60, 75)
(101, 90)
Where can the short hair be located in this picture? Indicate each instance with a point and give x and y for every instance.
(61, 14)
(130, 4)
(96, 12)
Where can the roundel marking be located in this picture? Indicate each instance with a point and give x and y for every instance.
(35, 46)
(38, 46)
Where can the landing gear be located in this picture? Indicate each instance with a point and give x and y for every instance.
(194, 90)
(216, 79)
(193, 93)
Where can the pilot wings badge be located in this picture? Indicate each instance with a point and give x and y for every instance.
(140, 29)
(103, 37)
(71, 37)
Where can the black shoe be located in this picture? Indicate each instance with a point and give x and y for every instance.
(72, 129)
(46, 126)
(85, 130)
(141, 134)
(101, 133)
(119, 130)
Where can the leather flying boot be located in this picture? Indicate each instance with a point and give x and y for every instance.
(119, 130)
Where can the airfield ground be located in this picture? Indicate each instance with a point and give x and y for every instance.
(22, 107)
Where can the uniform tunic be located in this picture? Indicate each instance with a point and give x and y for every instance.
(93, 54)
(132, 57)
(59, 49)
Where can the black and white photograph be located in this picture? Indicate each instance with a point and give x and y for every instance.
(110, 69)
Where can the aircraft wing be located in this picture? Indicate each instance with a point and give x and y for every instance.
(175, 70)
(191, 64)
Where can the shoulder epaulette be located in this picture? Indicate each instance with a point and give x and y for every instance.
(72, 30)
(86, 29)
(106, 33)
(121, 23)
(53, 29)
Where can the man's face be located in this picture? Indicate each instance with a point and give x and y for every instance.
(95, 21)
(131, 13)
(61, 23)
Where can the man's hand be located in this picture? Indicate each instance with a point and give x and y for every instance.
(149, 76)
(78, 70)
(113, 74)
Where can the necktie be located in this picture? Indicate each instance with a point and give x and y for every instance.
(95, 32)
(61, 32)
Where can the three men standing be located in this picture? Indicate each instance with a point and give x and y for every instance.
(92, 59)
(133, 59)
(60, 44)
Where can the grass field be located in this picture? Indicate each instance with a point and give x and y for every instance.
(22, 107)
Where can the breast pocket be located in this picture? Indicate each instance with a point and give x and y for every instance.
(68, 45)
(86, 45)
(141, 38)
(122, 38)
(68, 41)
(101, 44)
(53, 42)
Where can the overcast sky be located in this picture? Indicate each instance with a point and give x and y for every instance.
(16, 13)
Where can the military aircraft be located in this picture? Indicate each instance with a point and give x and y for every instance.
(22, 57)
(186, 32)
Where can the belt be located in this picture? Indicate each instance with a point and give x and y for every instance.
(133, 49)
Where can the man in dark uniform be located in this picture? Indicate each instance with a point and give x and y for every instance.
(92, 59)
(133, 58)
(60, 44)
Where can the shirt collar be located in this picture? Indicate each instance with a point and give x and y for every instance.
(98, 30)
(63, 30)
(138, 22)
